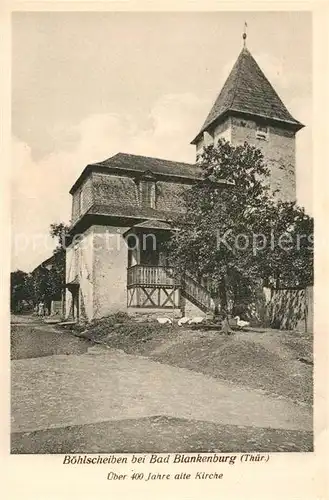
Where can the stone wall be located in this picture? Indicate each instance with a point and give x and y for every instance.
(278, 150)
(223, 131)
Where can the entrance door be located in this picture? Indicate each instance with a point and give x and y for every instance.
(76, 304)
(149, 253)
(74, 289)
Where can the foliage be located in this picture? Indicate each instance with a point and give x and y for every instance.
(49, 277)
(59, 231)
(48, 280)
(220, 239)
(20, 290)
(291, 266)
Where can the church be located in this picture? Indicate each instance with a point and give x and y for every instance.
(128, 198)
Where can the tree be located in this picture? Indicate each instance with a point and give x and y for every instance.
(59, 231)
(223, 239)
(49, 277)
(291, 257)
(20, 290)
(56, 277)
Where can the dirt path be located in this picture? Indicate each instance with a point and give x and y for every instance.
(71, 384)
(106, 384)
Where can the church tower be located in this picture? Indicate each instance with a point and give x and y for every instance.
(248, 109)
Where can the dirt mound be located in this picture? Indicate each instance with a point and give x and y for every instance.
(243, 362)
(267, 360)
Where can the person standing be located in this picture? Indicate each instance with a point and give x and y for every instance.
(41, 308)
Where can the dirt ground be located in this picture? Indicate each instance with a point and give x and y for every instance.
(70, 395)
(279, 363)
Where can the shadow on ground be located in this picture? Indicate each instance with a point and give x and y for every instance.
(160, 434)
(39, 340)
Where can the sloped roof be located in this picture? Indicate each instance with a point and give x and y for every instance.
(153, 224)
(141, 164)
(247, 90)
(150, 224)
(135, 212)
(51, 261)
(134, 165)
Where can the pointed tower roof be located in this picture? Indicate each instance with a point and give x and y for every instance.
(248, 91)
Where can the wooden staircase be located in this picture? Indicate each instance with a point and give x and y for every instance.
(196, 293)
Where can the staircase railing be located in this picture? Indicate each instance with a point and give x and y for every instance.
(196, 293)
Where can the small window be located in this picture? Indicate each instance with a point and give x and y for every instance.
(262, 132)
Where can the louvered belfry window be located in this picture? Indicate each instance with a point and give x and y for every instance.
(262, 132)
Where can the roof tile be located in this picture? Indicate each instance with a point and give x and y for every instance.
(247, 90)
(141, 164)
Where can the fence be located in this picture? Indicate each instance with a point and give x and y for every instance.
(291, 309)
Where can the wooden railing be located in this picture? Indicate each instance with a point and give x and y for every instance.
(163, 276)
(152, 276)
(196, 293)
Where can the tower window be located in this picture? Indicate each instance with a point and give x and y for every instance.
(262, 133)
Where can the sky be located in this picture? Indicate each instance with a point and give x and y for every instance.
(88, 85)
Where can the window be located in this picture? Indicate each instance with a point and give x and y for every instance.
(147, 193)
(262, 133)
(146, 189)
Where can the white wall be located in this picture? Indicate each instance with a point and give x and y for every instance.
(79, 265)
(110, 270)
